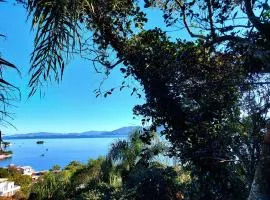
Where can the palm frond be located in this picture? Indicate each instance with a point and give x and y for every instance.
(117, 150)
(57, 35)
(8, 93)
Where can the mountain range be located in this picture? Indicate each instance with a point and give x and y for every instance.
(121, 132)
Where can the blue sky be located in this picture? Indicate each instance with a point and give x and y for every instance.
(70, 106)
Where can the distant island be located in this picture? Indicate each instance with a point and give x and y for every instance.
(121, 132)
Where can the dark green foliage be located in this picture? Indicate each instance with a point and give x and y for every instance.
(152, 183)
(99, 191)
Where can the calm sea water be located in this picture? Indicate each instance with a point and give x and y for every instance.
(56, 151)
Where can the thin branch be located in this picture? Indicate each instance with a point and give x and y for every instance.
(186, 24)
(210, 16)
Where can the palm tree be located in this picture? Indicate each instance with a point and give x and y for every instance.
(128, 154)
(125, 152)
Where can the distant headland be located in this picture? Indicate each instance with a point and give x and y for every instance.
(121, 132)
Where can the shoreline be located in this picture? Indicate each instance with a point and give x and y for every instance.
(4, 156)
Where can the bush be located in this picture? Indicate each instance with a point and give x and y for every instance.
(154, 183)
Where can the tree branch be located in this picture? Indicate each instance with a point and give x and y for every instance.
(262, 28)
(186, 24)
(210, 16)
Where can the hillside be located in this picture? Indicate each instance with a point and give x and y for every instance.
(121, 132)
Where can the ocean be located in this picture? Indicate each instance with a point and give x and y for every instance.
(57, 151)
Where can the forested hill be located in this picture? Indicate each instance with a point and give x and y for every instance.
(121, 132)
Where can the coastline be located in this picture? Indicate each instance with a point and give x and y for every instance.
(4, 156)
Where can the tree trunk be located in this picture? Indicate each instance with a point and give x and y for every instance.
(1, 141)
(260, 189)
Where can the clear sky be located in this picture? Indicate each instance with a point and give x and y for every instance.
(70, 106)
